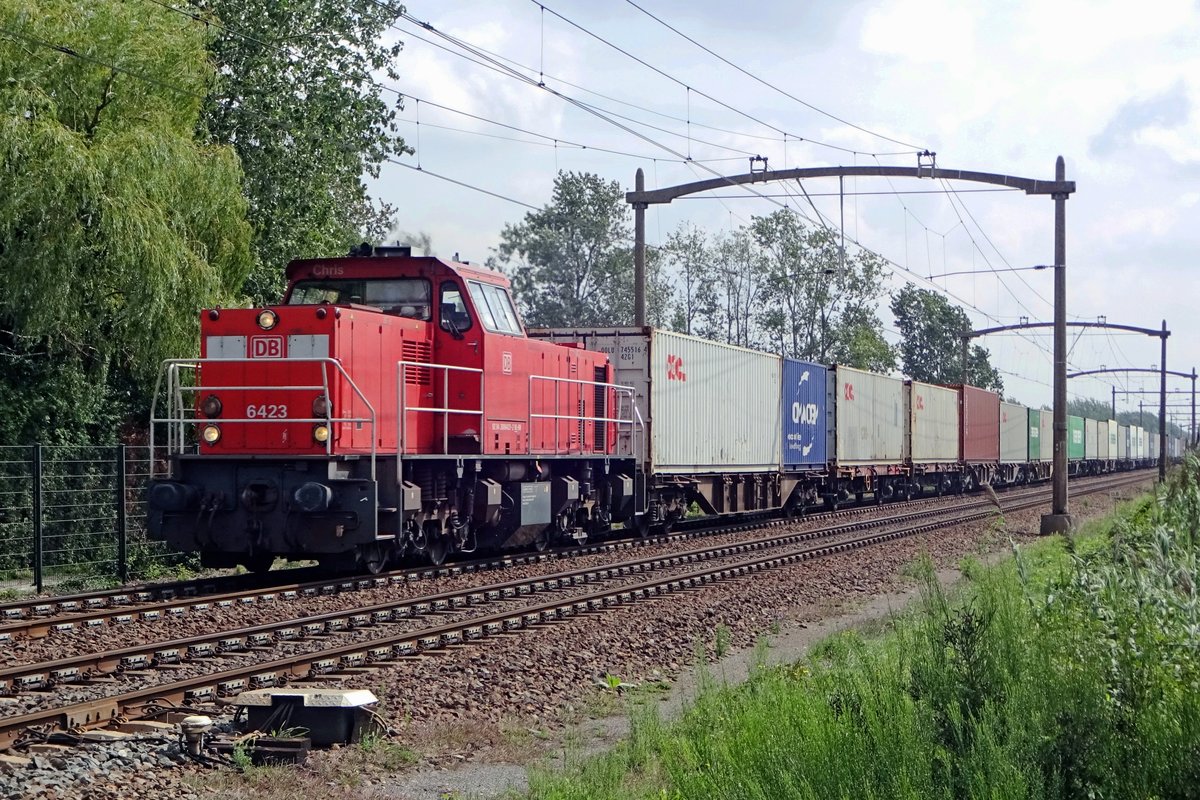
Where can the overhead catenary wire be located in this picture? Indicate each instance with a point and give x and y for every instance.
(479, 52)
(71, 52)
(770, 85)
(689, 87)
(401, 94)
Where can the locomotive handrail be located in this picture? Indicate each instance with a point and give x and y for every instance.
(402, 407)
(177, 424)
(633, 421)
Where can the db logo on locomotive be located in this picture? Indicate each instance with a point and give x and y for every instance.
(266, 347)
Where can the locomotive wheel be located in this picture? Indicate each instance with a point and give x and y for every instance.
(438, 550)
(374, 558)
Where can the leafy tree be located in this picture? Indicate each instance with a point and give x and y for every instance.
(115, 224)
(688, 253)
(294, 94)
(738, 281)
(931, 343)
(815, 302)
(571, 263)
(859, 343)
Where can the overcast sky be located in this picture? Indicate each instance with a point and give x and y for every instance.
(989, 86)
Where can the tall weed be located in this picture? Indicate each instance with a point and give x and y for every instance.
(1074, 673)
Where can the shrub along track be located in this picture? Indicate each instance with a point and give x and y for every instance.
(622, 584)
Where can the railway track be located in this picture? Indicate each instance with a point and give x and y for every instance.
(42, 616)
(347, 641)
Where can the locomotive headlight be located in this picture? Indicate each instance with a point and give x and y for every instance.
(267, 319)
(211, 407)
(320, 406)
(211, 434)
(320, 434)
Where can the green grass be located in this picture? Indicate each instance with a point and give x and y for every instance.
(1072, 671)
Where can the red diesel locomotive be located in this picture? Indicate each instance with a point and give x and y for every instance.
(391, 404)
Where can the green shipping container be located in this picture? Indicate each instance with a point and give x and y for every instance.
(1035, 434)
(1074, 438)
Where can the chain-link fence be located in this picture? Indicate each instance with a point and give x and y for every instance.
(77, 514)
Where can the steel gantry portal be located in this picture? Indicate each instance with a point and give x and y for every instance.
(1189, 375)
(1059, 189)
(1162, 334)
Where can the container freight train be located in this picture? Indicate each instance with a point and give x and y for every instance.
(394, 406)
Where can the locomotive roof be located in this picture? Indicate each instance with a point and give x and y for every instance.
(390, 267)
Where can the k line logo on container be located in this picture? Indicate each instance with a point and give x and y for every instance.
(675, 368)
(804, 401)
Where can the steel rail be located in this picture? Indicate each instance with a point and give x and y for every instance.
(407, 644)
(79, 668)
(37, 617)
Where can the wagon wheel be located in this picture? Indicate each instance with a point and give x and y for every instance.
(541, 541)
(438, 550)
(373, 558)
(641, 524)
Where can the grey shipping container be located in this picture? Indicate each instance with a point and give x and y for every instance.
(707, 407)
(1014, 433)
(1091, 439)
(1102, 440)
(1123, 442)
(932, 422)
(869, 418)
(1047, 436)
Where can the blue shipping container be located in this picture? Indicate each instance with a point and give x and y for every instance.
(805, 429)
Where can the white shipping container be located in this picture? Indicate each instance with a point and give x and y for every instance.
(1137, 442)
(1047, 435)
(1154, 445)
(707, 406)
(1014, 433)
(1122, 442)
(1102, 440)
(933, 423)
(1113, 430)
(869, 418)
(1091, 439)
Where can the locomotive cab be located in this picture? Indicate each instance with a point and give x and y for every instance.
(390, 404)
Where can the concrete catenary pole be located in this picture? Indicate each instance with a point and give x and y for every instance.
(1193, 406)
(1059, 518)
(639, 253)
(966, 349)
(1162, 410)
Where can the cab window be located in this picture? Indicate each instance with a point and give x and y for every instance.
(404, 297)
(453, 309)
(495, 308)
